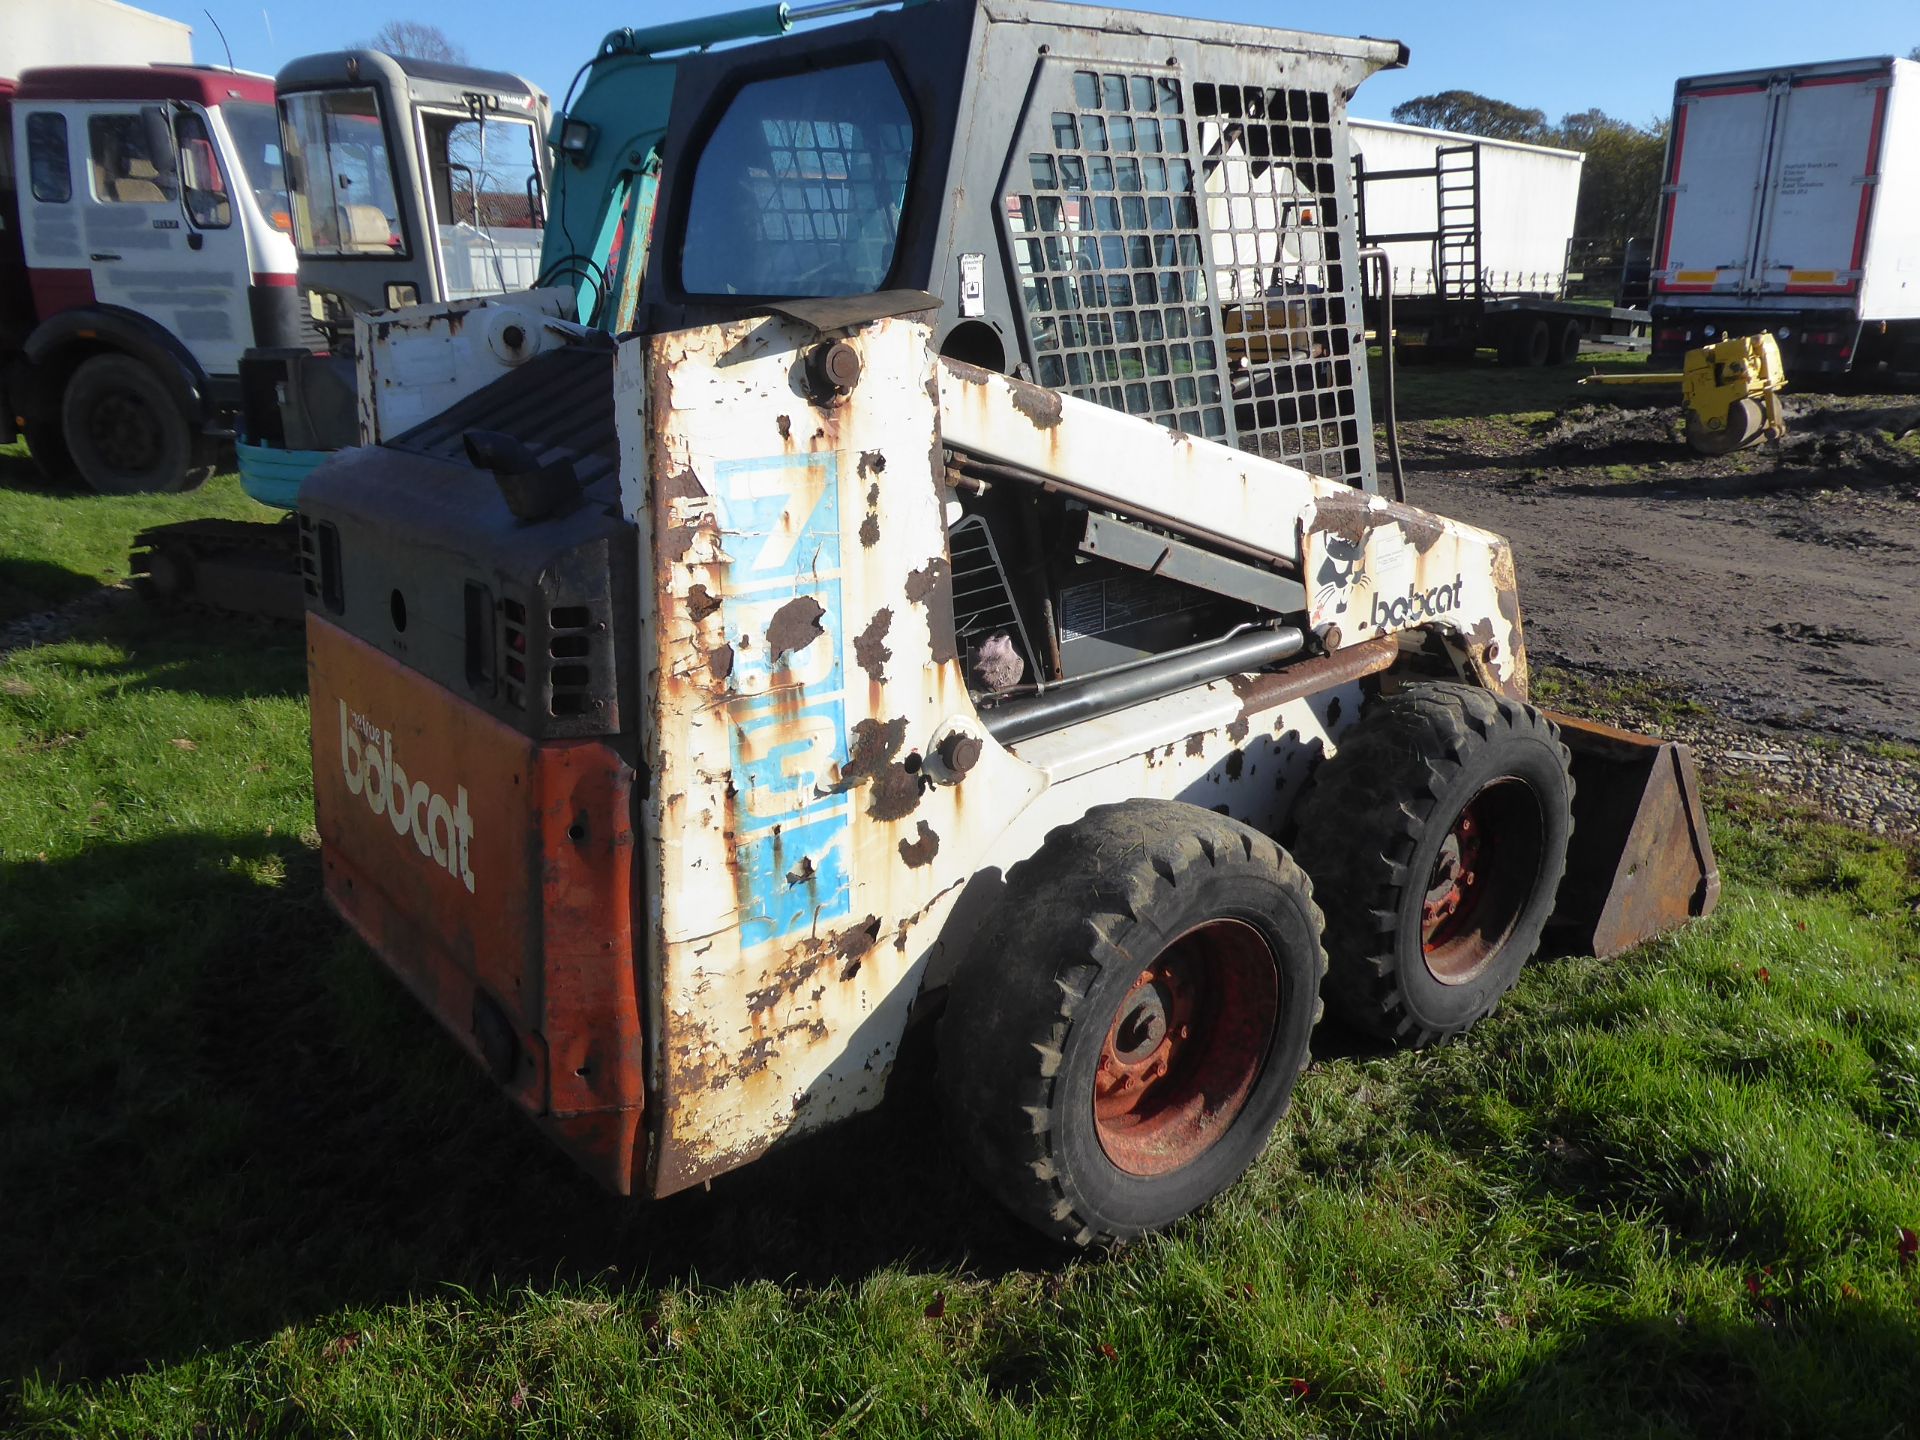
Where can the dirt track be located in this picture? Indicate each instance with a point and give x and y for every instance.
(1779, 587)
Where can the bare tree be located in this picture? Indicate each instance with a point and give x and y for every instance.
(418, 39)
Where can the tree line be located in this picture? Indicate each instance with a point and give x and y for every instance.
(1620, 184)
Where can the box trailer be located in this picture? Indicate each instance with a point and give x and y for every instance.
(1473, 235)
(87, 32)
(1526, 198)
(1792, 204)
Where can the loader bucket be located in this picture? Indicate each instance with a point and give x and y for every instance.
(1640, 862)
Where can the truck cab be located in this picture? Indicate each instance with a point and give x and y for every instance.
(151, 213)
(410, 182)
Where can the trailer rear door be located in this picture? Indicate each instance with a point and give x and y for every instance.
(1770, 185)
(1820, 186)
(1715, 165)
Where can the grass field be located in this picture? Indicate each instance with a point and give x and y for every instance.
(251, 1190)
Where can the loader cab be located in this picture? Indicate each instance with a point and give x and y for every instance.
(411, 181)
(1172, 239)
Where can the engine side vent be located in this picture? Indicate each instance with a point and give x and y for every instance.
(570, 684)
(513, 647)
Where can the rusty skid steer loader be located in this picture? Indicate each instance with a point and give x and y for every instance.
(942, 607)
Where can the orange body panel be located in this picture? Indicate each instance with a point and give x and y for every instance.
(502, 894)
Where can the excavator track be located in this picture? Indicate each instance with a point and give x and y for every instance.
(235, 566)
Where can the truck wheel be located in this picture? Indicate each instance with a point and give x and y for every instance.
(1436, 837)
(1127, 1031)
(1528, 342)
(1566, 350)
(124, 431)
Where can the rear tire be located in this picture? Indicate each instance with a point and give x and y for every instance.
(125, 432)
(1436, 837)
(1126, 1033)
(1566, 350)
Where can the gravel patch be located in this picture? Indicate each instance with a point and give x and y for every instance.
(44, 627)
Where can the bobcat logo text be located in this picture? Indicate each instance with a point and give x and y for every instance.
(439, 830)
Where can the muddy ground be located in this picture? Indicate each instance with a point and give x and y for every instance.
(1779, 586)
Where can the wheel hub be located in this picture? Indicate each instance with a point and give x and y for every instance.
(124, 433)
(1186, 1046)
(1480, 881)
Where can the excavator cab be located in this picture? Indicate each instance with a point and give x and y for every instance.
(935, 615)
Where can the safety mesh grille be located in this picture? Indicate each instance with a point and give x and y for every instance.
(1178, 256)
(1111, 256)
(1272, 197)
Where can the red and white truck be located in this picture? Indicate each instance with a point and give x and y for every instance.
(1792, 205)
(144, 247)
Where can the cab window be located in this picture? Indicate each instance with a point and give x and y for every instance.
(47, 158)
(124, 172)
(799, 189)
(340, 175)
(209, 206)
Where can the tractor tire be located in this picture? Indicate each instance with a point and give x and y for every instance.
(1436, 837)
(1567, 342)
(1121, 1041)
(125, 433)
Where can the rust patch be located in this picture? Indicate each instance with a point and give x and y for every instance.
(869, 646)
(895, 794)
(795, 625)
(1345, 517)
(856, 939)
(785, 427)
(1236, 762)
(1196, 743)
(1237, 731)
(852, 944)
(921, 850)
(1422, 530)
(1333, 711)
(1039, 405)
(701, 602)
(870, 531)
(787, 980)
(873, 496)
(875, 743)
(676, 540)
(931, 588)
(1307, 677)
(720, 661)
(872, 462)
(683, 486)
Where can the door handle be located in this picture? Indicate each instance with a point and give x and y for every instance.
(99, 257)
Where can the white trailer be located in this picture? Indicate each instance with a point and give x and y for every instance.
(1474, 235)
(1792, 205)
(87, 32)
(1526, 200)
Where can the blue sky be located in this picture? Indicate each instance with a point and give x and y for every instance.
(1622, 57)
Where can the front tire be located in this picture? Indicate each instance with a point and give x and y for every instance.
(125, 433)
(1128, 1029)
(1436, 837)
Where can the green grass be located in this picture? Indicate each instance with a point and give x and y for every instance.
(58, 543)
(251, 1190)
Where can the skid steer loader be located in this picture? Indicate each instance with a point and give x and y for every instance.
(963, 598)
